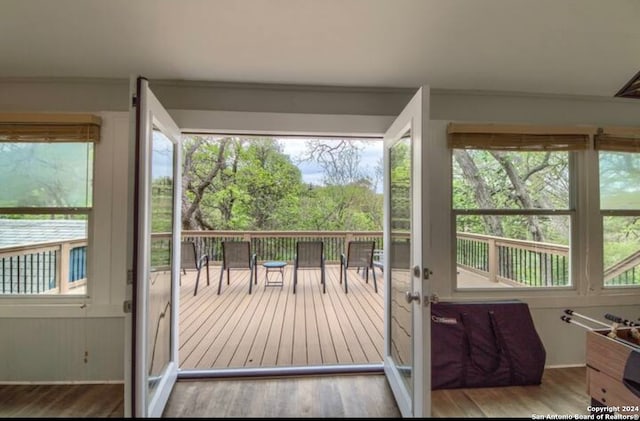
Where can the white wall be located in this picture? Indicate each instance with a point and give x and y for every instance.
(52, 349)
(100, 327)
(45, 339)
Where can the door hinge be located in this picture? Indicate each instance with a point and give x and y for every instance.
(130, 277)
(127, 306)
(134, 101)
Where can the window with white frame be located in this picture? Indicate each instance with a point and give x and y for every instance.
(46, 173)
(619, 171)
(513, 205)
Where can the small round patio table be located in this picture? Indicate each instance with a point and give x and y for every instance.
(274, 266)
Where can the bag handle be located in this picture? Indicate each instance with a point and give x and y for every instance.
(469, 347)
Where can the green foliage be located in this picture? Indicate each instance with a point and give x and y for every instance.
(621, 238)
(355, 207)
(161, 205)
(620, 189)
(400, 182)
(257, 187)
(538, 180)
(619, 180)
(46, 174)
(272, 185)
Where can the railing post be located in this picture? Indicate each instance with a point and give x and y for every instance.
(63, 268)
(493, 260)
(348, 237)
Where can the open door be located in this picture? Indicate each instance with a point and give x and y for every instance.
(407, 359)
(156, 256)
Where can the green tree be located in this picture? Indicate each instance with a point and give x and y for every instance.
(485, 179)
(242, 183)
(271, 183)
(355, 207)
(233, 183)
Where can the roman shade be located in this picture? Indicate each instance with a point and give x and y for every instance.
(519, 137)
(49, 127)
(618, 139)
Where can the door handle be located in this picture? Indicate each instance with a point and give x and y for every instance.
(409, 296)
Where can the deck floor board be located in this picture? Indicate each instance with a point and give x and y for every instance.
(274, 327)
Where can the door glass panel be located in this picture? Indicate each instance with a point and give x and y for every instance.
(401, 320)
(160, 278)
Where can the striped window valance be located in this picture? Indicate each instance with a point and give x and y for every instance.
(519, 137)
(49, 127)
(618, 139)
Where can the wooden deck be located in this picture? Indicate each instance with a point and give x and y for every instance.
(274, 327)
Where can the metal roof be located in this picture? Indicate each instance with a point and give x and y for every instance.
(16, 232)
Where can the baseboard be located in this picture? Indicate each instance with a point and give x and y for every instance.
(565, 366)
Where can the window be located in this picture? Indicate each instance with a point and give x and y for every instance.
(46, 170)
(512, 205)
(619, 169)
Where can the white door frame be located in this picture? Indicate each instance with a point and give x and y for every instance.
(151, 114)
(415, 402)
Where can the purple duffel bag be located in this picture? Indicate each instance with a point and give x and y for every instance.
(484, 344)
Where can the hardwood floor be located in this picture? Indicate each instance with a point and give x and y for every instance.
(66, 401)
(319, 396)
(563, 391)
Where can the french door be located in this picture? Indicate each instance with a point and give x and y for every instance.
(407, 359)
(156, 248)
(156, 225)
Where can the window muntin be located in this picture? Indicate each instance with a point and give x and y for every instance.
(513, 218)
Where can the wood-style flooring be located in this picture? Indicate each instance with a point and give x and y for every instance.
(62, 401)
(563, 392)
(319, 396)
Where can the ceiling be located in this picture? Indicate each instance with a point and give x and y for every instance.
(577, 47)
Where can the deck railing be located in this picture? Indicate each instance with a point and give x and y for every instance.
(625, 272)
(56, 267)
(530, 263)
(60, 267)
(279, 245)
(524, 263)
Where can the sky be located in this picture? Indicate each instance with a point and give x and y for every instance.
(312, 173)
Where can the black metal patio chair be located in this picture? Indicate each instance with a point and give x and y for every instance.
(237, 255)
(309, 255)
(359, 256)
(189, 260)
